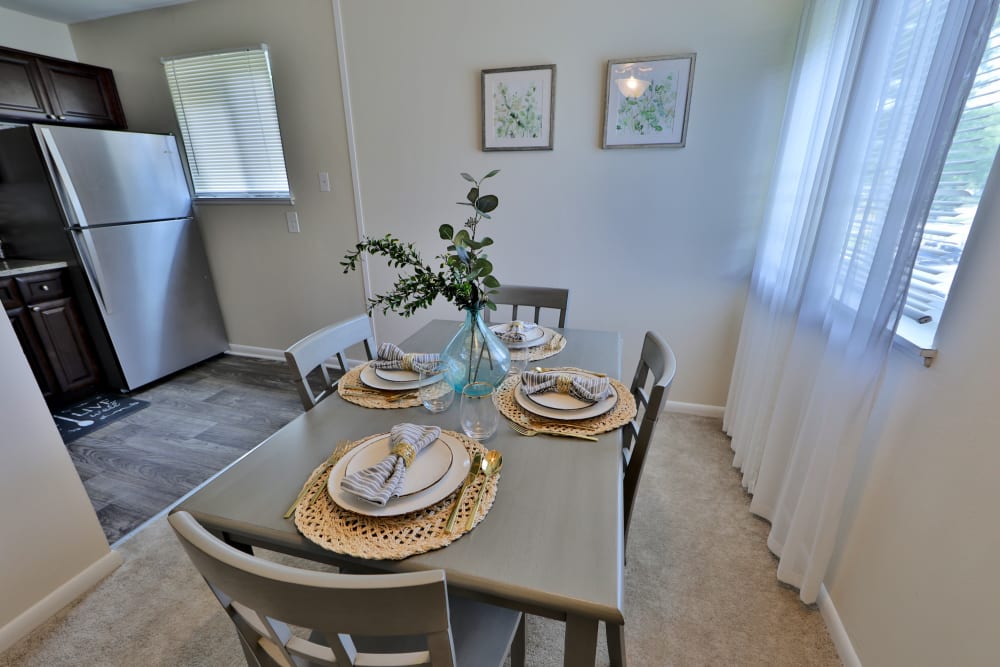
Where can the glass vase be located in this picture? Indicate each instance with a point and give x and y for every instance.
(475, 354)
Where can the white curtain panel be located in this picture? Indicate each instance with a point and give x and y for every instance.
(876, 93)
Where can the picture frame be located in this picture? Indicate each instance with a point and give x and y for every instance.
(518, 106)
(647, 100)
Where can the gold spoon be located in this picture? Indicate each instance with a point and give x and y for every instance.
(491, 466)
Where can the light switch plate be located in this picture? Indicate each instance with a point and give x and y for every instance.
(324, 181)
(293, 222)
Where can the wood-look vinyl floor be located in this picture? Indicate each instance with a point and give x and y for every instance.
(198, 421)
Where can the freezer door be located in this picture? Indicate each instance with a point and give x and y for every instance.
(108, 177)
(154, 291)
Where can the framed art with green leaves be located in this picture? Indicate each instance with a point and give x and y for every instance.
(647, 101)
(519, 108)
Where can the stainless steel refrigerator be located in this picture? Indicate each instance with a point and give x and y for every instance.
(116, 206)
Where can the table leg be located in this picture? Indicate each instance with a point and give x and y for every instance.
(581, 641)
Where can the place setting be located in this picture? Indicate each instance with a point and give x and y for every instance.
(396, 494)
(397, 379)
(528, 341)
(565, 401)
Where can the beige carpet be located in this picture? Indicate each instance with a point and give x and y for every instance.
(700, 585)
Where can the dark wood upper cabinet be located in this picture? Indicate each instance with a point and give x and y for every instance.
(35, 88)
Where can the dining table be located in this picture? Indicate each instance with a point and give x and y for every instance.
(551, 545)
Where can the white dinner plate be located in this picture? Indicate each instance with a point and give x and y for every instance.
(531, 336)
(371, 378)
(431, 464)
(590, 410)
(546, 336)
(396, 506)
(397, 375)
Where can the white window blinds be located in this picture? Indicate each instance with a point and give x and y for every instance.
(957, 196)
(227, 116)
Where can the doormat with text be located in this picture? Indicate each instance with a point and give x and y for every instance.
(96, 412)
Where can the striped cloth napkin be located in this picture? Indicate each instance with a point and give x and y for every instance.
(584, 387)
(390, 358)
(384, 480)
(514, 332)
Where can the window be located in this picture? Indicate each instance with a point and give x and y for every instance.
(956, 200)
(229, 123)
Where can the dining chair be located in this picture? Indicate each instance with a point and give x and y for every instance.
(654, 375)
(312, 352)
(556, 298)
(354, 619)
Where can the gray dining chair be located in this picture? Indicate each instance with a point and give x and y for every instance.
(514, 296)
(312, 352)
(355, 619)
(654, 375)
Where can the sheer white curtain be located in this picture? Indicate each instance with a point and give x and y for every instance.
(877, 90)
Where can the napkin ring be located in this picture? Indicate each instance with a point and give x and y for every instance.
(405, 451)
(406, 363)
(563, 383)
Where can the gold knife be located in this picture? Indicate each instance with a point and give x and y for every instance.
(477, 462)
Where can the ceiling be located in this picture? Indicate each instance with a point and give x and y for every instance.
(75, 11)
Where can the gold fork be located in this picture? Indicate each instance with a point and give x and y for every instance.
(338, 452)
(524, 430)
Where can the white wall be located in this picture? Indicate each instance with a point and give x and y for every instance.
(646, 239)
(274, 286)
(50, 531)
(915, 580)
(29, 33)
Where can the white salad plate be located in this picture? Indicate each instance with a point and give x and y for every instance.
(371, 377)
(416, 501)
(531, 336)
(430, 465)
(566, 414)
(546, 336)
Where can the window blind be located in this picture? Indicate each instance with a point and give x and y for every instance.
(956, 199)
(229, 123)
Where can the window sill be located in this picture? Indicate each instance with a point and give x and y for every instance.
(283, 201)
(916, 340)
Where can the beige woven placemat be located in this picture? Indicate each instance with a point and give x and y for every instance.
(553, 347)
(353, 390)
(325, 523)
(618, 416)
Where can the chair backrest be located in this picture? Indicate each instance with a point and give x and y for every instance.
(556, 298)
(311, 353)
(650, 386)
(262, 598)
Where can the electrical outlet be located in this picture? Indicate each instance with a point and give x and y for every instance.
(293, 222)
(324, 181)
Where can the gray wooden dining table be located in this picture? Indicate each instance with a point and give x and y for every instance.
(551, 545)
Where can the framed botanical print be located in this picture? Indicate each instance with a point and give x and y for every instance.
(518, 108)
(647, 101)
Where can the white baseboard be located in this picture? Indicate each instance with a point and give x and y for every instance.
(841, 640)
(699, 409)
(256, 352)
(48, 606)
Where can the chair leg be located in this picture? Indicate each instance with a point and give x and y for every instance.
(517, 647)
(616, 644)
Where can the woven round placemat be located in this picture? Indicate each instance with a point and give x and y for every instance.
(553, 347)
(616, 417)
(353, 390)
(325, 523)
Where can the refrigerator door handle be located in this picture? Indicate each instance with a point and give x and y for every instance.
(64, 186)
(92, 266)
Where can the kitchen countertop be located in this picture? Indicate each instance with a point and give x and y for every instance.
(13, 267)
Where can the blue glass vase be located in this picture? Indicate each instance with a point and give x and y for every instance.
(475, 354)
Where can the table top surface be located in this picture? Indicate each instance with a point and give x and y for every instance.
(552, 540)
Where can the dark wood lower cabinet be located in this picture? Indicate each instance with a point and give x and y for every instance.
(61, 332)
(49, 326)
